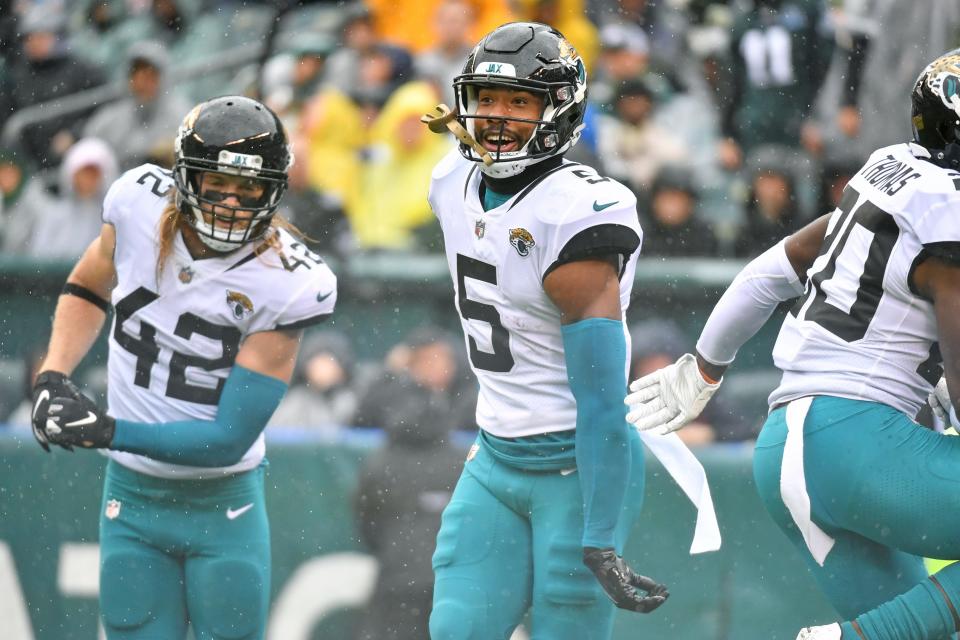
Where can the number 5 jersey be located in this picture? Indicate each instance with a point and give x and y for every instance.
(499, 259)
(174, 340)
(861, 330)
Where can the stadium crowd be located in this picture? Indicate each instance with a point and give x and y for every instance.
(735, 122)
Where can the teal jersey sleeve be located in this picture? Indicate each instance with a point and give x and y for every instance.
(246, 404)
(596, 352)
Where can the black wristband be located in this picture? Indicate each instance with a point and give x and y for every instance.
(73, 289)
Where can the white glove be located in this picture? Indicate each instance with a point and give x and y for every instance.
(669, 398)
(939, 401)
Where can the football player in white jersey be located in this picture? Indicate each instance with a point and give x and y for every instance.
(210, 294)
(542, 252)
(842, 465)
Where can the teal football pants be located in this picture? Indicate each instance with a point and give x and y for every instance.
(173, 551)
(510, 540)
(886, 490)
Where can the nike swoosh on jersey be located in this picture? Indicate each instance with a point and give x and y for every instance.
(566, 472)
(323, 296)
(600, 207)
(44, 395)
(233, 514)
(90, 419)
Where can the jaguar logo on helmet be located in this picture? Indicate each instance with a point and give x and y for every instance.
(240, 305)
(935, 109)
(522, 240)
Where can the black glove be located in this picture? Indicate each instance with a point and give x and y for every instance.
(47, 386)
(622, 585)
(64, 416)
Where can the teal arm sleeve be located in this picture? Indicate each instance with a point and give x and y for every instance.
(246, 403)
(596, 353)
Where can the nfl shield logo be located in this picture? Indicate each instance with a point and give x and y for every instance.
(479, 227)
(113, 509)
(186, 275)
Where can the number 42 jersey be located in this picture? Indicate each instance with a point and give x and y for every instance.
(175, 339)
(861, 330)
(498, 260)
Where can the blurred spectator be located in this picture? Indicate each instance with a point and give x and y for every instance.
(657, 343)
(23, 200)
(293, 78)
(452, 27)
(885, 44)
(333, 133)
(322, 397)
(633, 147)
(780, 52)
(568, 17)
(401, 22)
(421, 370)
(673, 227)
(393, 205)
(188, 34)
(64, 228)
(365, 68)
(624, 57)
(402, 490)
(45, 72)
(141, 127)
(662, 22)
(95, 33)
(318, 215)
(771, 212)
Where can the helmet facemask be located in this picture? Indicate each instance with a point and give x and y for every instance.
(528, 57)
(543, 142)
(243, 223)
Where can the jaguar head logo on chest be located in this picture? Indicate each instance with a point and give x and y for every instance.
(522, 240)
(240, 305)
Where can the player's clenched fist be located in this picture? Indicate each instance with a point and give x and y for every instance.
(62, 415)
(627, 589)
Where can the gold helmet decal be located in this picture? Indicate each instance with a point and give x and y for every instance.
(943, 78)
(240, 305)
(522, 241)
(567, 51)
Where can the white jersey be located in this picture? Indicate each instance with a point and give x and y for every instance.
(173, 342)
(498, 260)
(860, 330)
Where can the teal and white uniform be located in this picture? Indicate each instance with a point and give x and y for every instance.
(181, 542)
(842, 465)
(511, 538)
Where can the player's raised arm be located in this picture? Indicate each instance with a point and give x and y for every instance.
(587, 293)
(669, 398)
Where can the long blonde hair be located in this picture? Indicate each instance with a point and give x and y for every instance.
(172, 221)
